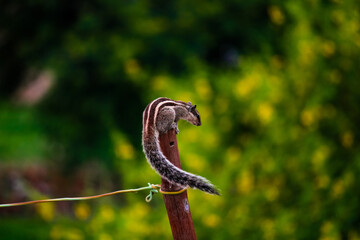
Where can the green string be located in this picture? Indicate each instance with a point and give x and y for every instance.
(152, 187)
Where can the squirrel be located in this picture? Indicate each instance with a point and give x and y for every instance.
(159, 116)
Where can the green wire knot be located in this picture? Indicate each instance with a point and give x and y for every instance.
(152, 191)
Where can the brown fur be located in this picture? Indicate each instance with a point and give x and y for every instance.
(159, 116)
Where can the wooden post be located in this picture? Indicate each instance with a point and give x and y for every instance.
(177, 206)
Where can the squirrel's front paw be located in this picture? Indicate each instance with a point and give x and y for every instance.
(175, 127)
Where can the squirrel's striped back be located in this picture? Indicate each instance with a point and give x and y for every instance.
(159, 116)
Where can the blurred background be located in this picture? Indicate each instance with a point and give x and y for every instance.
(277, 84)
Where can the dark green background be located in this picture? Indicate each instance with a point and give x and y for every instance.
(277, 84)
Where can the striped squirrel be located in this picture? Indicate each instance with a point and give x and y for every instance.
(159, 116)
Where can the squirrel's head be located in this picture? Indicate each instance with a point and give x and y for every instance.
(194, 116)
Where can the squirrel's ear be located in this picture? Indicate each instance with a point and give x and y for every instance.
(193, 107)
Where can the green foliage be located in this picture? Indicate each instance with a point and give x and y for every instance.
(19, 128)
(276, 83)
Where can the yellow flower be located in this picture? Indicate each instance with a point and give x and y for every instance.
(46, 210)
(328, 48)
(320, 156)
(82, 211)
(246, 182)
(74, 234)
(160, 82)
(104, 236)
(132, 67)
(309, 117)
(338, 188)
(211, 220)
(125, 151)
(268, 227)
(203, 89)
(58, 232)
(329, 231)
(307, 52)
(233, 155)
(347, 139)
(276, 15)
(247, 85)
(195, 162)
(272, 193)
(107, 213)
(323, 181)
(265, 112)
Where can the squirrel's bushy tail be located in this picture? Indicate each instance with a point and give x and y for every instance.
(174, 174)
